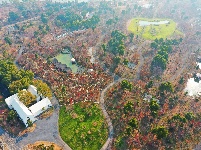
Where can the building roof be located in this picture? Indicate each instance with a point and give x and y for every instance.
(10, 99)
(40, 105)
(23, 112)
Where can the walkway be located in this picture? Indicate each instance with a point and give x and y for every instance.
(46, 130)
(108, 143)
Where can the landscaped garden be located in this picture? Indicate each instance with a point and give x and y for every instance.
(83, 127)
(153, 28)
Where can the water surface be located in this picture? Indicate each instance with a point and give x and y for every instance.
(147, 23)
(66, 59)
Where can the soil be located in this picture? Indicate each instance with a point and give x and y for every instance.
(46, 143)
(29, 129)
(5, 146)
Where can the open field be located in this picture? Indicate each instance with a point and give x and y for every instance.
(152, 32)
(83, 128)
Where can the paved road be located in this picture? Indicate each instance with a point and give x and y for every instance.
(46, 130)
(108, 143)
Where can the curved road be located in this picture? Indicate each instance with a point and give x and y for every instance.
(108, 143)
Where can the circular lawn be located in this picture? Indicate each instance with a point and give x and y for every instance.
(83, 127)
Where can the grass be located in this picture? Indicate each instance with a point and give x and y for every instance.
(84, 127)
(160, 31)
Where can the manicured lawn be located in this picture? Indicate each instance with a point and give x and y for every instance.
(152, 32)
(84, 127)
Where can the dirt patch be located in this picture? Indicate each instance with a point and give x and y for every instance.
(47, 113)
(46, 143)
(29, 129)
(3, 146)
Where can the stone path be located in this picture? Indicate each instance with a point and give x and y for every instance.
(46, 130)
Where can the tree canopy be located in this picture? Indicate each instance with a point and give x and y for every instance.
(26, 97)
(128, 107)
(166, 86)
(13, 16)
(42, 88)
(126, 85)
(160, 132)
(17, 79)
(72, 21)
(116, 43)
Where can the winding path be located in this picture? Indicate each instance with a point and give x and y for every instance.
(108, 143)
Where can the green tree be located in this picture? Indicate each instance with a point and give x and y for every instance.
(154, 106)
(133, 123)
(181, 81)
(117, 60)
(150, 84)
(131, 35)
(189, 116)
(109, 22)
(128, 130)
(26, 97)
(36, 33)
(29, 123)
(19, 85)
(128, 107)
(166, 86)
(160, 132)
(44, 18)
(164, 54)
(126, 85)
(42, 88)
(8, 40)
(11, 115)
(179, 119)
(125, 62)
(159, 61)
(104, 47)
(13, 16)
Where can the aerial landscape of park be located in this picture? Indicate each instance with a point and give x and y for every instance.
(100, 75)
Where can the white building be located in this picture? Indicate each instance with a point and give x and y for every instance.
(32, 112)
(40, 106)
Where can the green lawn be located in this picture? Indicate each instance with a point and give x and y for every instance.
(84, 127)
(152, 32)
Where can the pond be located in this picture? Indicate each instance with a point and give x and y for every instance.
(66, 59)
(147, 23)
